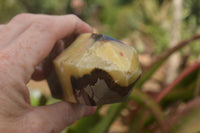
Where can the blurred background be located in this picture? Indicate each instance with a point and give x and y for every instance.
(166, 34)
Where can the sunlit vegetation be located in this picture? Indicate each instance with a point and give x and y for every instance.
(154, 106)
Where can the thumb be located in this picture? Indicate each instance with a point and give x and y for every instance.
(54, 118)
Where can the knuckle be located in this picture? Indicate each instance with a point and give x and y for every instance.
(20, 17)
(42, 25)
(74, 17)
(44, 20)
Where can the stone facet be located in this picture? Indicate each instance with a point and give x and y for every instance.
(95, 70)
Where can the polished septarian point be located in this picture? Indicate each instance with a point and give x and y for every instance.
(95, 70)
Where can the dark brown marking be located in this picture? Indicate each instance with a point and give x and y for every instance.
(79, 84)
(96, 37)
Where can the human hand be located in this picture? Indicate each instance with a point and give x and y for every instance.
(25, 42)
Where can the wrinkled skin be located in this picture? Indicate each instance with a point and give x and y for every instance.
(24, 43)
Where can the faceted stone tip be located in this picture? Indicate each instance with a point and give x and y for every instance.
(95, 70)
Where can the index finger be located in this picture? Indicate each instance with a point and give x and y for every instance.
(32, 46)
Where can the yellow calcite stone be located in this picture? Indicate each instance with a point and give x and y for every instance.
(89, 52)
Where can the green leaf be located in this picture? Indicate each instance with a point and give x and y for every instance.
(162, 58)
(177, 95)
(184, 90)
(147, 75)
(37, 98)
(85, 124)
(135, 125)
(145, 101)
(188, 80)
(104, 125)
(187, 120)
(184, 80)
(189, 123)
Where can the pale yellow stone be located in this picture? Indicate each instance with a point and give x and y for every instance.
(84, 55)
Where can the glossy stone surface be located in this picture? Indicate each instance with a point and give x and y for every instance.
(95, 70)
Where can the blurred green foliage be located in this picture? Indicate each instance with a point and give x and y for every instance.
(121, 16)
(145, 23)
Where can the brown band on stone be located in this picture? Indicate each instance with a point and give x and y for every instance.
(104, 38)
(80, 85)
(96, 37)
(54, 85)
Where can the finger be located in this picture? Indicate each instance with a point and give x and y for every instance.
(33, 45)
(44, 69)
(57, 116)
(14, 28)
